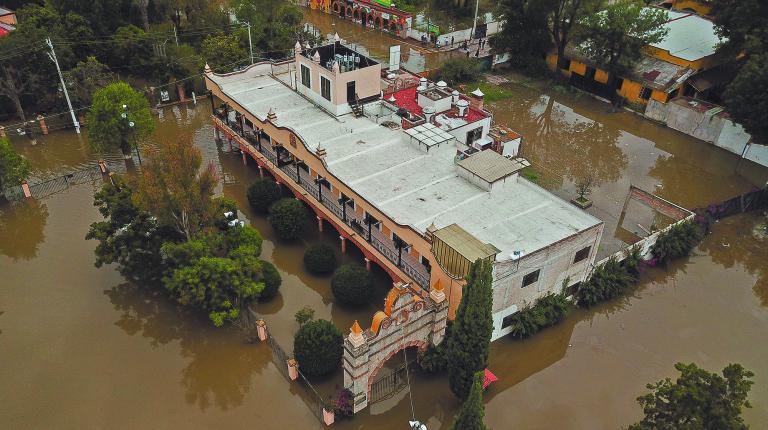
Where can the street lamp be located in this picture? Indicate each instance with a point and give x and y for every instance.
(130, 124)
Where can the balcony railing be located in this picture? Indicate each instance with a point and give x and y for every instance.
(386, 246)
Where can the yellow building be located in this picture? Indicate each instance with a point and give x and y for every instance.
(701, 7)
(664, 70)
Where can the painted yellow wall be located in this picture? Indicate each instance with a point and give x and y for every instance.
(601, 76)
(699, 7)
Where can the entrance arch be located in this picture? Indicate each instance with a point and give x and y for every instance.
(410, 318)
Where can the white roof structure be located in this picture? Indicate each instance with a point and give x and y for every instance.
(429, 135)
(411, 185)
(690, 36)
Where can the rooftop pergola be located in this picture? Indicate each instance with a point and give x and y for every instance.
(429, 135)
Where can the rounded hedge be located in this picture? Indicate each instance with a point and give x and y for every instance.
(272, 280)
(262, 194)
(352, 284)
(287, 217)
(317, 347)
(320, 258)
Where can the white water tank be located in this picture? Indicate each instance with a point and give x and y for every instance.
(454, 97)
(462, 105)
(429, 113)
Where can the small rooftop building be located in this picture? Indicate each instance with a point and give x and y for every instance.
(7, 21)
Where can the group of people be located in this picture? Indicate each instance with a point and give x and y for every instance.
(465, 45)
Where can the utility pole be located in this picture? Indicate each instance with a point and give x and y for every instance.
(175, 36)
(474, 22)
(250, 44)
(52, 56)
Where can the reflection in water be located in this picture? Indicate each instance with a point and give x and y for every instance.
(219, 368)
(22, 228)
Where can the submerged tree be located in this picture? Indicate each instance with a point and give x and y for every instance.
(119, 118)
(174, 189)
(13, 167)
(318, 347)
(697, 399)
(471, 331)
(470, 416)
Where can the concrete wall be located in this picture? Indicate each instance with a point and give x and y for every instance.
(557, 270)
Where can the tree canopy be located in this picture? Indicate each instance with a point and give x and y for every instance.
(317, 347)
(287, 218)
(352, 284)
(223, 53)
(470, 416)
(697, 399)
(13, 167)
(471, 331)
(108, 128)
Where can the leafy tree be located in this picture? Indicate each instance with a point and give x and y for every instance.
(698, 399)
(525, 34)
(129, 237)
(606, 282)
(13, 167)
(262, 194)
(107, 128)
(320, 258)
(317, 347)
(272, 280)
(174, 189)
(433, 359)
(741, 25)
(85, 79)
(460, 70)
(352, 284)
(614, 36)
(470, 416)
(133, 46)
(287, 218)
(304, 315)
(470, 337)
(548, 311)
(275, 26)
(744, 97)
(562, 16)
(223, 53)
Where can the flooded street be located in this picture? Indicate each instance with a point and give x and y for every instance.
(80, 348)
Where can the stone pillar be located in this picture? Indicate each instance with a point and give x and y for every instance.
(25, 189)
(43, 126)
(261, 330)
(357, 366)
(261, 172)
(319, 223)
(437, 297)
(367, 263)
(2, 131)
(343, 244)
(293, 369)
(182, 93)
(245, 160)
(328, 417)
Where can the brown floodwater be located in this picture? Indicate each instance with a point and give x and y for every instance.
(81, 348)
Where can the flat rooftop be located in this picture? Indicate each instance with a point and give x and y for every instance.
(690, 36)
(410, 185)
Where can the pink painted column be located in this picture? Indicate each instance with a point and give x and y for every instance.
(261, 330)
(2, 131)
(319, 223)
(102, 167)
(261, 172)
(367, 264)
(343, 244)
(328, 417)
(43, 126)
(25, 189)
(293, 369)
(245, 160)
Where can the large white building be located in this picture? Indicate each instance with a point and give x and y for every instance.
(409, 171)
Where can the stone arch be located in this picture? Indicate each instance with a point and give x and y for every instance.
(336, 7)
(357, 13)
(348, 12)
(370, 19)
(410, 317)
(378, 22)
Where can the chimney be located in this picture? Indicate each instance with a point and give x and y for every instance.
(423, 83)
(316, 57)
(454, 97)
(442, 85)
(476, 99)
(462, 106)
(429, 113)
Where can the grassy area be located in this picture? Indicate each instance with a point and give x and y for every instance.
(493, 93)
(531, 174)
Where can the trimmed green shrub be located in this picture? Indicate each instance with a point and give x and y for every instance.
(460, 70)
(433, 360)
(287, 217)
(352, 284)
(677, 242)
(272, 280)
(262, 194)
(320, 258)
(548, 311)
(317, 347)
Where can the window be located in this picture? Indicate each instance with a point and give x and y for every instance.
(305, 77)
(325, 88)
(619, 83)
(645, 93)
(582, 254)
(570, 291)
(425, 262)
(531, 278)
(564, 63)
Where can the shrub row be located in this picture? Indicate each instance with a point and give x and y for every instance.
(548, 311)
(677, 242)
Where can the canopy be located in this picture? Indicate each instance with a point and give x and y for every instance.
(489, 378)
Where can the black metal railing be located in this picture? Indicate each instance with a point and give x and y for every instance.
(390, 384)
(385, 245)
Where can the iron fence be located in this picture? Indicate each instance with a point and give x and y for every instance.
(753, 200)
(278, 355)
(388, 385)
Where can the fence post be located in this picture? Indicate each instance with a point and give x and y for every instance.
(261, 330)
(25, 188)
(102, 167)
(43, 126)
(2, 131)
(293, 369)
(328, 417)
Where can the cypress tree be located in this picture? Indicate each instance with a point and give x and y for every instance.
(470, 416)
(468, 343)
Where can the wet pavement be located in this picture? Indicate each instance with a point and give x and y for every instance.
(82, 349)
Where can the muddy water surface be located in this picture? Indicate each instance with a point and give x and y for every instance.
(82, 349)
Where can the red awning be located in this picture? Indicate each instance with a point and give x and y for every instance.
(489, 378)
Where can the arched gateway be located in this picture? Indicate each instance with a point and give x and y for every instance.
(410, 318)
